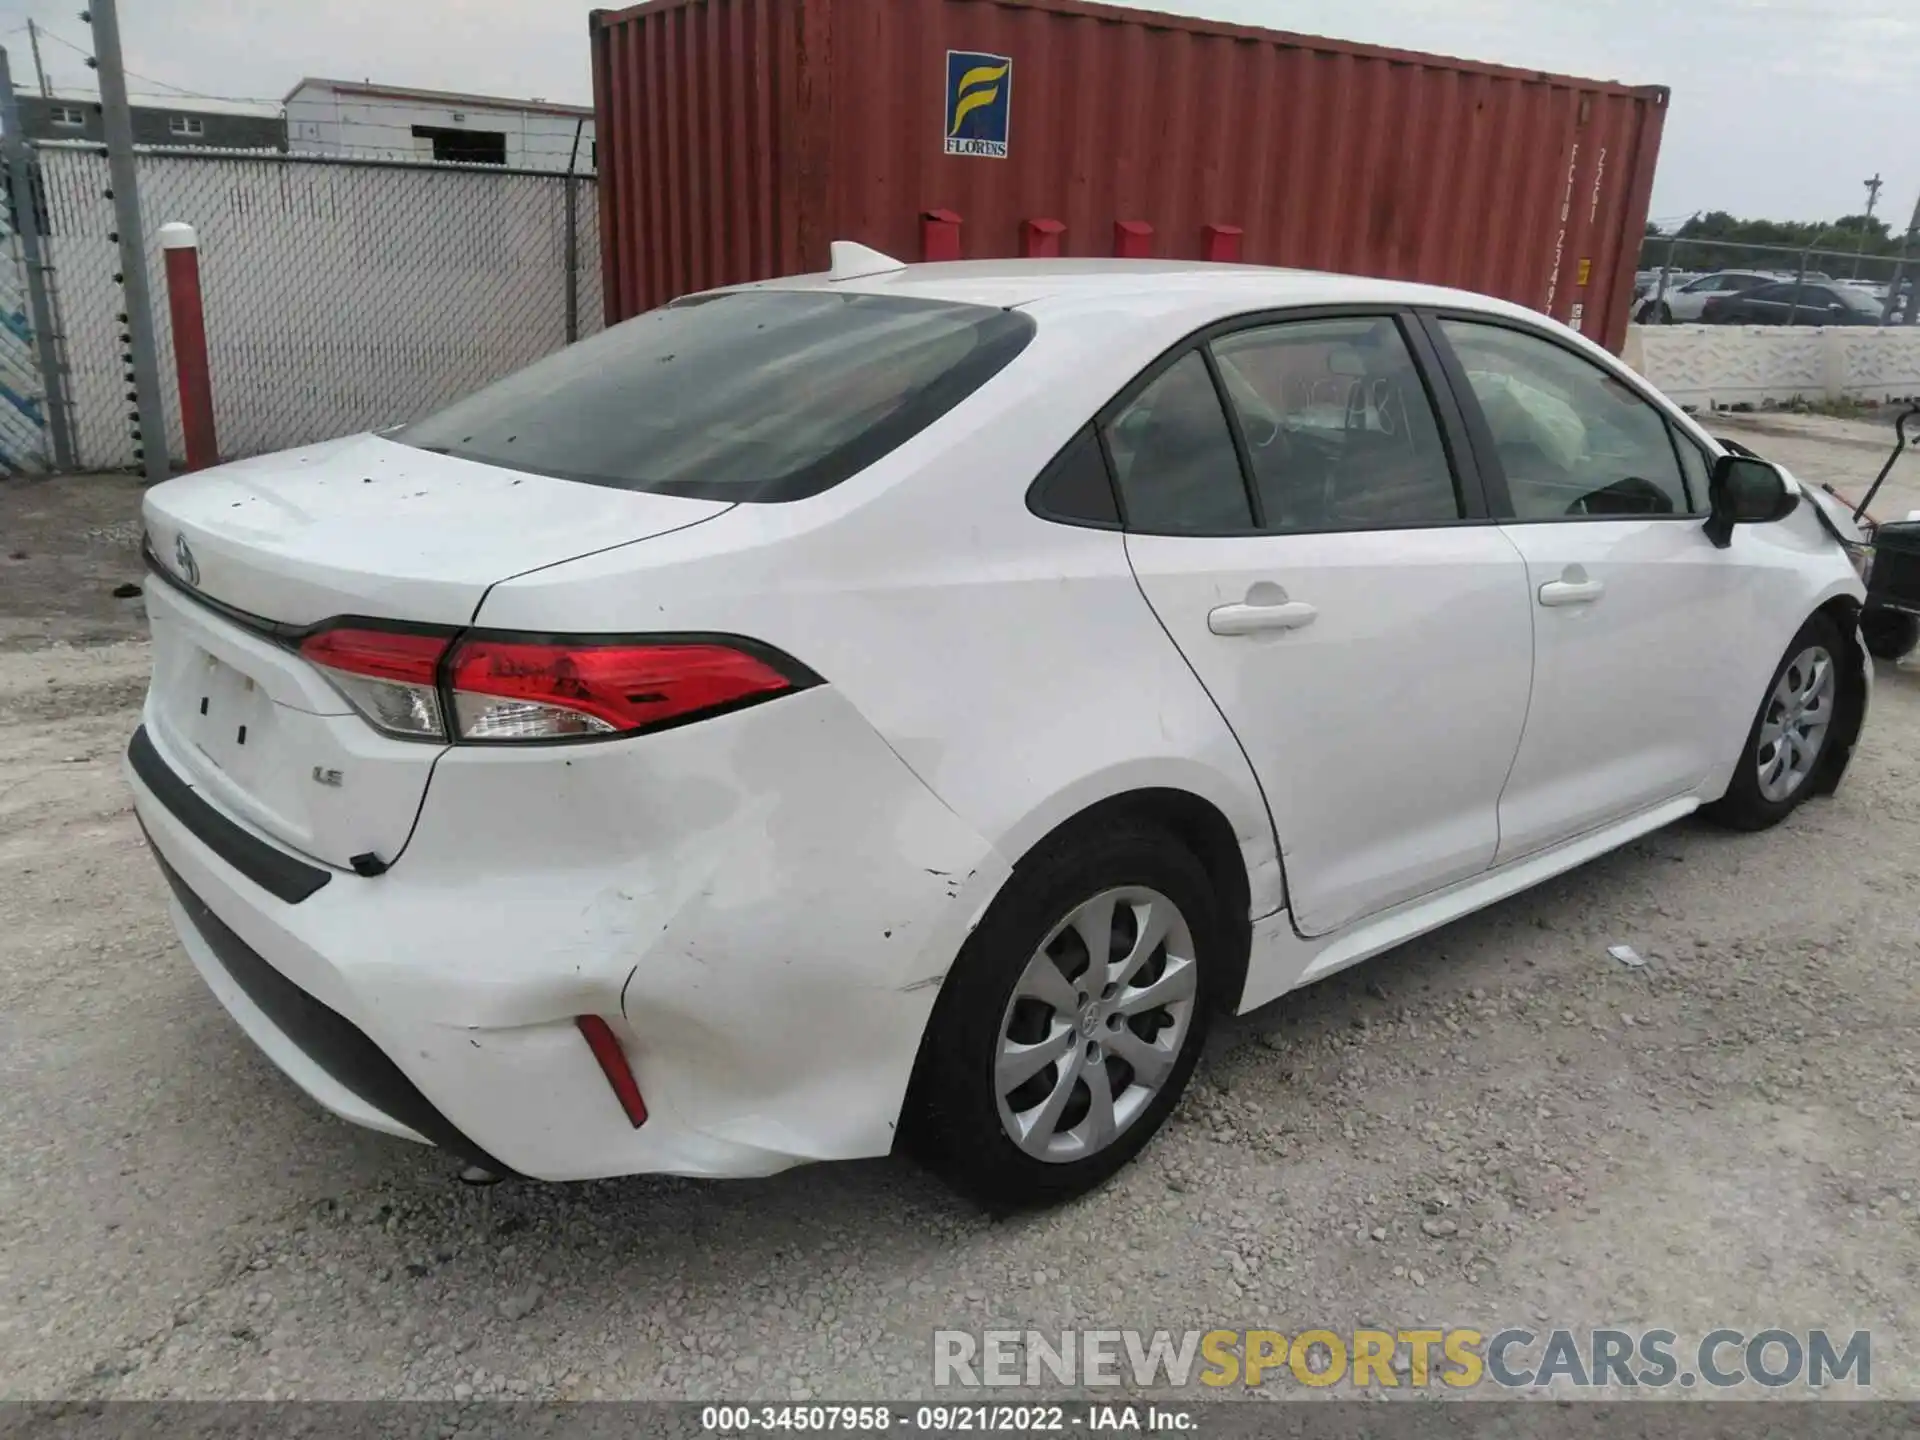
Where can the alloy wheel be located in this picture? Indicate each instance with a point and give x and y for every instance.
(1095, 1024)
(1793, 732)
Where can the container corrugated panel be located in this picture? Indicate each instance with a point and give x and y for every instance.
(739, 137)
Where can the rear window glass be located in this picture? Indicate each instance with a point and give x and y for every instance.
(746, 395)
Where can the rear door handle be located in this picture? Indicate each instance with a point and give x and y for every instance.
(1571, 592)
(1252, 619)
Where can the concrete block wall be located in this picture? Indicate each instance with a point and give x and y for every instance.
(1717, 366)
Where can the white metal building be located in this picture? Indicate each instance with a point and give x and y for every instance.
(344, 117)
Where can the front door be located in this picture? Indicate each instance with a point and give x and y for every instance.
(1635, 685)
(1308, 548)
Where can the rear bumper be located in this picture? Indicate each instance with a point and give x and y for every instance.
(326, 1053)
(762, 906)
(284, 876)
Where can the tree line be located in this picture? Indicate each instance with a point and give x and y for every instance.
(1717, 240)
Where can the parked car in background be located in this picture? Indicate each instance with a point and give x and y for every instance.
(911, 701)
(1790, 304)
(1646, 284)
(1881, 291)
(1683, 304)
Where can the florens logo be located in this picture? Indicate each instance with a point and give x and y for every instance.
(979, 103)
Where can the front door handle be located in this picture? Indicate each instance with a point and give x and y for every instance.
(1253, 619)
(1571, 592)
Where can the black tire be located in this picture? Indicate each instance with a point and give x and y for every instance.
(1745, 806)
(1889, 634)
(952, 1120)
(1661, 312)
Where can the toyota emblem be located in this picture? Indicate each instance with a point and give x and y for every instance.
(184, 562)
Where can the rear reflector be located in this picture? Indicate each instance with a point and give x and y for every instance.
(517, 690)
(613, 1064)
(387, 675)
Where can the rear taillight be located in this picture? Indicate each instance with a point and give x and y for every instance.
(517, 690)
(389, 676)
(510, 689)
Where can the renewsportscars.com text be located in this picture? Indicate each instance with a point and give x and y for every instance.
(1514, 1358)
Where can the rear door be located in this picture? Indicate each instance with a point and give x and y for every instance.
(1686, 302)
(1824, 305)
(1338, 589)
(1767, 305)
(1637, 623)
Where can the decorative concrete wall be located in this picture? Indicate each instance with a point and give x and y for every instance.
(1716, 366)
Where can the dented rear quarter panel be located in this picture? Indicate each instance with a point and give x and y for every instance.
(696, 883)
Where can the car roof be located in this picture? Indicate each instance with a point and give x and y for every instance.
(1008, 284)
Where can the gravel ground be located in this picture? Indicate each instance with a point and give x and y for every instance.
(1497, 1124)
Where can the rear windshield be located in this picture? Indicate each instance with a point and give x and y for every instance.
(747, 395)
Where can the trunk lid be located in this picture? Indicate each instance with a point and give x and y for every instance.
(367, 526)
(362, 527)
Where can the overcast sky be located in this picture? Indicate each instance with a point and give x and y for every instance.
(1781, 108)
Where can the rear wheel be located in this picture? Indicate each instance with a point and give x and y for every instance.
(1790, 735)
(1071, 1022)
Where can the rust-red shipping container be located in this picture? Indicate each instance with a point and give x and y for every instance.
(737, 138)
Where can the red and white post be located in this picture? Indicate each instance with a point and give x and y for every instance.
(182, 248)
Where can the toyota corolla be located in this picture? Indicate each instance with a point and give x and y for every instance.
(907, 703)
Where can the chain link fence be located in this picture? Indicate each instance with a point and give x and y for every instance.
(1679, 277)
(340, 295)
(23, 426)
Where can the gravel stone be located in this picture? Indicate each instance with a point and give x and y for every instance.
(519, 1306)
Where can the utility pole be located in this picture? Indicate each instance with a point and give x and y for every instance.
(116, 121)
(573, 236)
(1873, 194)
(33, 38)
(1899, 272)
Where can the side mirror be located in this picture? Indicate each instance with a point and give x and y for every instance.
(1746, 490)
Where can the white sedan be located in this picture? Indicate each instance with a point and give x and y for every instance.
(906, 703)
(1685, 298)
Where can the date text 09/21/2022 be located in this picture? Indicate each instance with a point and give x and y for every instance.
(947, 1419)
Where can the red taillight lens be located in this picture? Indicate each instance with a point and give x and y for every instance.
(518, 690)
(387, 675)
(540, 690)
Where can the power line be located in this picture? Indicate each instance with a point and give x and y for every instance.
(166, 85)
